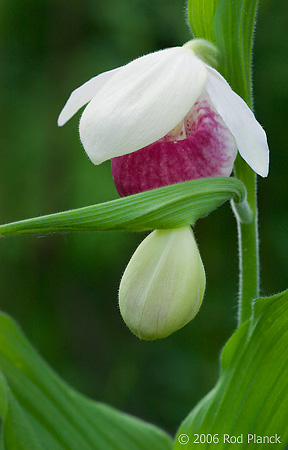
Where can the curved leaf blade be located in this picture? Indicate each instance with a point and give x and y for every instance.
(40, 412)
(251, 395)
(172, 206)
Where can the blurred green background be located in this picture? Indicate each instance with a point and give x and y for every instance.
(62, 289)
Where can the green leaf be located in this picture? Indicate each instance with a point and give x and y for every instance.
(233, 29)
(40, 412)
(251, 395)
(229, 25)
(172, 206)
(201, 16)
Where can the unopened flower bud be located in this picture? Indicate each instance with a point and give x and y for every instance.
(163, 285)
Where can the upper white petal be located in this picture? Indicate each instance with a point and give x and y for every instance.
(145, 100)
(249, 135)
(82, 95)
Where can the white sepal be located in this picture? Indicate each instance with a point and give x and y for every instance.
(82, 95)
(145, 100)
(163, 285)
(249, 135)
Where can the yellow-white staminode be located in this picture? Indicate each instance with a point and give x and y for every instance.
(163, 285)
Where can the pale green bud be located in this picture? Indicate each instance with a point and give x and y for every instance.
(205, 50)
(163, 285)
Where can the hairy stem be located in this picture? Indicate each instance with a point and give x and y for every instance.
(248, 245)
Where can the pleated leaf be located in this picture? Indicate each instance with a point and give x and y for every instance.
(201, 17)
(172, 206)
(233, 29)
(251, 395)
(229, 25)
(40, 412)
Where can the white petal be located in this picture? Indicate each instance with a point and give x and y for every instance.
(145, 100)
(83, 95)
(249, 135)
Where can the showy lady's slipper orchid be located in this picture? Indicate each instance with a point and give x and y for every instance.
(173, 118)
(163, 285)
(164, 118)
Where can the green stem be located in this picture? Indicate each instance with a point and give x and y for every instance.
(229, 25)
(248, 245)
(233, 26)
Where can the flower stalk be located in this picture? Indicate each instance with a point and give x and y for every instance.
(248, 245)
(248, 241)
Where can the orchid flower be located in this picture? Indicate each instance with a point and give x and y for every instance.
(163, 118)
